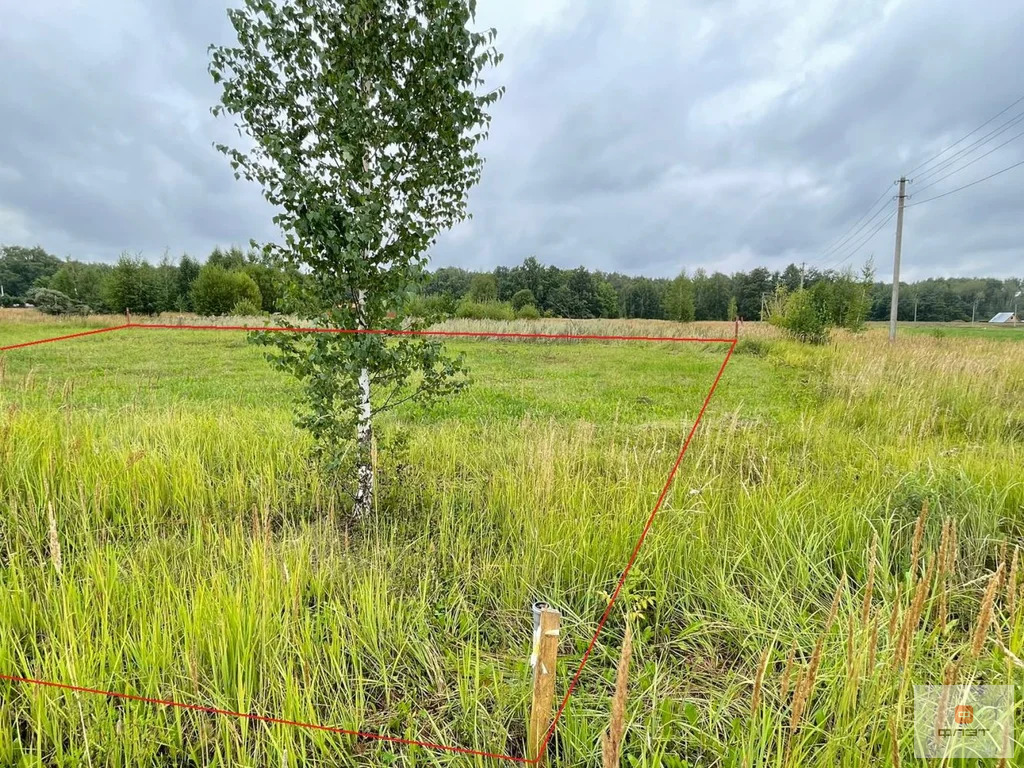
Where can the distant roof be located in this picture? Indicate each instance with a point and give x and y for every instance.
(1002, 317)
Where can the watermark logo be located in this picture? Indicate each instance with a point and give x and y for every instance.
(963, 721)
(963, 714)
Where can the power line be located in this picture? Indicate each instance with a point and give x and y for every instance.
(972, 162)
(968, 135)
(865, 240)
(965, 186)
(971, 148)
(845, 239)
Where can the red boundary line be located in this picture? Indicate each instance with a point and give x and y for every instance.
(62, 338)
(471, 334)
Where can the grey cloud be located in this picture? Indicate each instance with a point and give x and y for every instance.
(644, 136)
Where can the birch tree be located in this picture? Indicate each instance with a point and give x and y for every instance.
(360, 119)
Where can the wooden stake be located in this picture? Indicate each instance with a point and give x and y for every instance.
(545, 659)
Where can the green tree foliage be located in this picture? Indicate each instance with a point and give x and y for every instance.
(448, 281)
(245, 308)
(130, 287)
(483, 288)
(607, 299)
(53, 302)
(644, 300)
(82, 283)
(363, 118)
(188, 271)
(523, 297)
(21, 267)
(583, 296)
(528, 312)
(711, 296)
(801, 315)
(217, 290)
(679, 304)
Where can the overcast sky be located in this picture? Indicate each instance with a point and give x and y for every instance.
(642, 137)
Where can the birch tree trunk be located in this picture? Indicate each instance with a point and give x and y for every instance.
(364, 432)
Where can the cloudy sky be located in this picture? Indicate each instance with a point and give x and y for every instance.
(638, 136)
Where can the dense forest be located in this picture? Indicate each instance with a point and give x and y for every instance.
(232, 281)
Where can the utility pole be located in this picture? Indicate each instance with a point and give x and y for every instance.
(802, 265)
(894, 308)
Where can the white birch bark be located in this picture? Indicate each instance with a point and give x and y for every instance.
(364, 432)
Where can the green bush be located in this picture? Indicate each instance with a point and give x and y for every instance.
(527, 312)
(217, 290)
(484, 310)
(245, 308)
(523, 298)
(431, 306)
(801, 318)
(52, 302)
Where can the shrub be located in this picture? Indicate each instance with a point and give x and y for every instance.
(53, 302)
(484, 310)
(245, 308)
(217, 290)
(528, 312)
(483, 288)
(798, 315)
(523, 298)
(431, 306)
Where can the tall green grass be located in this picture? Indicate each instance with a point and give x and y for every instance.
(202, 560)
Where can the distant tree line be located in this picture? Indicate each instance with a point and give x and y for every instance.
(229, 281)
(238, 282)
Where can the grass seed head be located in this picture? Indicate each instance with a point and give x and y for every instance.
(985, 613)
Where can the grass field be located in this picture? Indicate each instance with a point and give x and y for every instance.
(162, 535)
(961, 330)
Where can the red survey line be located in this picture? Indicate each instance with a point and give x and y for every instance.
(62, 338)
(636, 549)
(401, 332)
(472, 334)
(259, 718)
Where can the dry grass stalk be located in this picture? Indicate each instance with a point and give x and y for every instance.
(872, 645)
(948, 678)
(1003, 568)
(784, 687)
(799, 701)
(985, 612)
(1011, 585)
(1005, 747)
(915, 549)
(942, 574)
(54, 541)
(952, 547)
(833, 610)
(913, 616)
(894, 615)
(611, 740)
(865, 607)
(851, 666)
(895, 736)
(755, 700)
(805, 684)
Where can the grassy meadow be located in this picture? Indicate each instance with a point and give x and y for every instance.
(844, 525)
